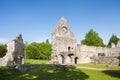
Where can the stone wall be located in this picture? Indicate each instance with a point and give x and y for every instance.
(84, 52)
(110, 61)
(63, 43)
(66, 50)
(15, 53)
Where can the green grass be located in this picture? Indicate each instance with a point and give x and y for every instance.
(49, 72)
(37, 61)
(99, 66)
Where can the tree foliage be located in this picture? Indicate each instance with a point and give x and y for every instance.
(92, 39)
(38, 50)
(3, 50)
(113, 39)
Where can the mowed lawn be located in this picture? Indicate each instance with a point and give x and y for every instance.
(50, 72)
(100, 66)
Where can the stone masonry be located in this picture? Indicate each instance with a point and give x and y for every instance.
(64, 44)
(65, 49)
(15, 53)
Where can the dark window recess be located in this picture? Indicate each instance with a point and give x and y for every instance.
(69, 48)
(76, 60)
(101, 54)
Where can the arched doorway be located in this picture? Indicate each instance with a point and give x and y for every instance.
(70, 58)
(76, 60)
(63, 59)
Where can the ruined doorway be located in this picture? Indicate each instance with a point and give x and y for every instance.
(62, 59)
(70, 58)
(76, 60)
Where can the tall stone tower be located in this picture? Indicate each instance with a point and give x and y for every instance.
(63, 44)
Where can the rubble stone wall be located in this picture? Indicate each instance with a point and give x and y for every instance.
(15, 54)
(110, 61)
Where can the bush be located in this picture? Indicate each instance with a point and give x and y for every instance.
(3, 50)
(38, 51)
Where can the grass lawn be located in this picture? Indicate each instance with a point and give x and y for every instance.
(99, 66)
(37, 61)
(49, 72)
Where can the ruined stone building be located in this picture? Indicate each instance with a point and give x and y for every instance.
(15, 53)
(66, 50)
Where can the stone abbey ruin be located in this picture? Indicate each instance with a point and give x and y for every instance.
(15, 53)
(66, 50)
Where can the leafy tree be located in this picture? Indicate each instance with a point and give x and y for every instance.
(92, 39)
(38, 50)
(113, 39)
(3, 50)
(31, 51)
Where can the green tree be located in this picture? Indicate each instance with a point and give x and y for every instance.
(113, 39)
(92, 39)
(3, 50)
(38, 50)
(31, 52)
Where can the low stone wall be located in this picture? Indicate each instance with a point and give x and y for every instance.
(110, 61)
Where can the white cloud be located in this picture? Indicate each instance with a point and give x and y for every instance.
(3, 40)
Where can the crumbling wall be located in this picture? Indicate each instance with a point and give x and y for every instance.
(15, 53)
(110, 61)
(63, 43)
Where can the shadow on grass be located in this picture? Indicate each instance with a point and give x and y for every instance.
(48, 72)
(113, 73)
(7, 73)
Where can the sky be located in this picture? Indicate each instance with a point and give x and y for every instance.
(36, 19)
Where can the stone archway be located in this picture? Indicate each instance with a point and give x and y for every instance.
(76, 60)
(70, 58)
(61, 59)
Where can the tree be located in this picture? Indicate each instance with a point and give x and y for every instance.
(38, 50)
(31, 52)
(113, 39)
(3, 50)
(92, 39)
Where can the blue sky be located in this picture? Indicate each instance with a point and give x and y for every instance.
(35, 19)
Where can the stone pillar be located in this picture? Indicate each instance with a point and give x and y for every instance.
(65, 59)
(72, 60)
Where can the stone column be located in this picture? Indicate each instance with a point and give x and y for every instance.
(72, 60)
(65, 58)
